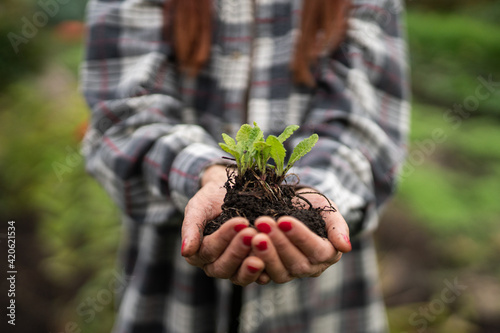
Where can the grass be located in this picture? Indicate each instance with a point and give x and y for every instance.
(451, 187)
(449, 53)
(458, 181)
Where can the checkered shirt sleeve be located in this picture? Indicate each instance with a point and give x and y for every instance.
(139, 146)
(360, 111)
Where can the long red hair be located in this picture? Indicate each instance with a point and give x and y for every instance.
(323, 26)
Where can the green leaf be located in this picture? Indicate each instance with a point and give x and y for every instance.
(287, 133)
(301, 149)
(261, 154)
(243, 133)
(255, 135)
(230, 150)
(229, 141)
(241, 147)
(251, 151)
(277, 152)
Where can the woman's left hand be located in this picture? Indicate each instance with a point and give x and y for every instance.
(291, 250)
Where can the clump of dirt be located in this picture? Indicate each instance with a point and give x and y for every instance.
(252, 196)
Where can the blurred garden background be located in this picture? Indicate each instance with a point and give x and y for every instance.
(439, 239)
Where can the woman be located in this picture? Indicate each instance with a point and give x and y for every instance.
(164, 79)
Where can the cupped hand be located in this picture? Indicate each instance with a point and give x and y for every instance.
(289, 249)
(225, 253)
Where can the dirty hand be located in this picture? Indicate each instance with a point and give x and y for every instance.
(225, 253)
(291, 250)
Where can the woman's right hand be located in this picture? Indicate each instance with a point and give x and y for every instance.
(224, 254)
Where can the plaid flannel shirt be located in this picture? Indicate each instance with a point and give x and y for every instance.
(153, 130)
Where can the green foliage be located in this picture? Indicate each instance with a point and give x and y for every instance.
(18, 59)
(44, 182)
(451, 187)
(302, 149)
(287, 133)
(443, 5)
(459, 179)
(277, 153)
(251, 151)
(448, 54)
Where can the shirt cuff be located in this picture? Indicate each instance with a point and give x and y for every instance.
(187, 168)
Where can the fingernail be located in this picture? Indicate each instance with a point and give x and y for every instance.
(264, 227)
(285, 226)
(262, 246)
(183, 245)
(346, 239)
(247, 240)
(252, 269)
(239, 227)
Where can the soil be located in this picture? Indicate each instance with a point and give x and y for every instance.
(251, 196)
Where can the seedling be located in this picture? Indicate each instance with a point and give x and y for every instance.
(256, 187)
(252, 153)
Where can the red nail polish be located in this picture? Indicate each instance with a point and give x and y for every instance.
(239, 227)
(252, 269)
(285, 226)
(262, 246)
(247, 240)
(264, 227)
(182, 247)
(346, 239)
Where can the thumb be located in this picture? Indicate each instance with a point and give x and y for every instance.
(204, 206)
(338, 232)
(192, 231)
